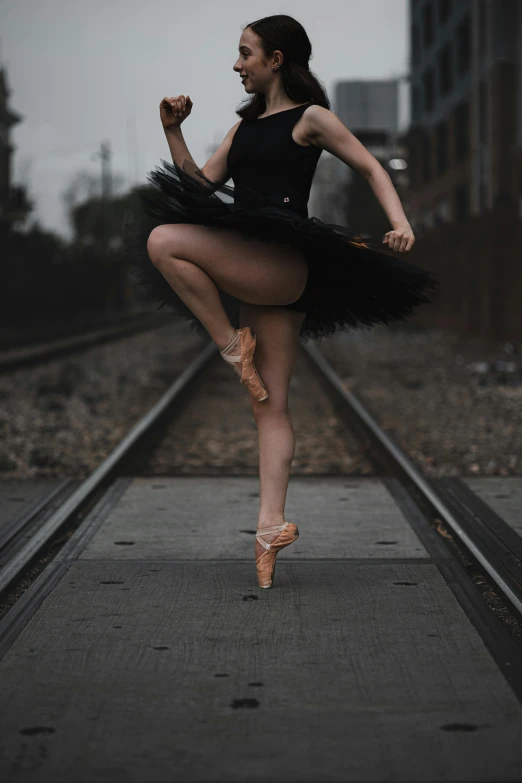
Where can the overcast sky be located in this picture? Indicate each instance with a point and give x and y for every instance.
(85, 72)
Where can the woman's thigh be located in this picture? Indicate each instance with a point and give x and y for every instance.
(257, 271)
(277, 345)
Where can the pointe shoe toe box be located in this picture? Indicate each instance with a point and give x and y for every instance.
(266, 562)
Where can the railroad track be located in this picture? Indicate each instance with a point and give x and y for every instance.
(485, 536)
(486, 553)
(30, 355)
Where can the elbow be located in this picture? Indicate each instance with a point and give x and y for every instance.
(374, 169)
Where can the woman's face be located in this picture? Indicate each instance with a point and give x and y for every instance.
(252, 64)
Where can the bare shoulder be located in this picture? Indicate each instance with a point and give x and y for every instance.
(227, 141)
(327, 131)
(233, 129)
(318, 124)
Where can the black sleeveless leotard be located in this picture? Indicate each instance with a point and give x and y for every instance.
(351, 283)
(264, 156)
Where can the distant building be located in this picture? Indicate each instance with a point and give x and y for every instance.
(368, 105)
(465, 138)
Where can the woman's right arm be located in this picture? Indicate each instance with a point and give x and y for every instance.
(215, 168)
(173, 112)
(177, 146)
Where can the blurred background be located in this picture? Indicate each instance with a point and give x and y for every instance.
(444, 118)
(432, 88)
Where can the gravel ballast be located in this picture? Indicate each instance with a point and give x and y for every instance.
(453, 404)
(63, 417)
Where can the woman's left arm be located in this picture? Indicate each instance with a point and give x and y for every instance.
(325, 129)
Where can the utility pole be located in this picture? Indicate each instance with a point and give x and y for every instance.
(106, 191)
(132, 151)
(106, 180)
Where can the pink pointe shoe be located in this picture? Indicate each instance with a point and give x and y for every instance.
(266, 562)
(244, 362)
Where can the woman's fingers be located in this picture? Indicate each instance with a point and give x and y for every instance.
(174, 110)
(178, 105)
(399, 240)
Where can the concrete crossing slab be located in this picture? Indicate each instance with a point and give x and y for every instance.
(214, 518)
(153, 655)
(183, 671)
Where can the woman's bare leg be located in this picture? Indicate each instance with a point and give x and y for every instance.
(277, 331)
(197, 289)
(196, 260)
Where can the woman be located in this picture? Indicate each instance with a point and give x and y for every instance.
(256, 273)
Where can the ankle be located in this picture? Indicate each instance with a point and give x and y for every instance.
(232, 339)
(270, 521)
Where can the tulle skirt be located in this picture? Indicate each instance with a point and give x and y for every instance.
(351, 284)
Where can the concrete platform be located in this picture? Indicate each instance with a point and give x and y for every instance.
(162, 660)
(215, 518)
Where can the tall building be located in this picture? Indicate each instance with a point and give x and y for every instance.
(466, 115)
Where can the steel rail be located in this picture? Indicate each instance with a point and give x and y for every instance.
(75, 500)
(408, 466)
(28, 356)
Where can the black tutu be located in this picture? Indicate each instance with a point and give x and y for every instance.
(351, 284)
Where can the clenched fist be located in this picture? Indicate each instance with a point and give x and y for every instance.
(174, 110)
(400, 239)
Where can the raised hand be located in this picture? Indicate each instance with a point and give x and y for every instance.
(174, 110)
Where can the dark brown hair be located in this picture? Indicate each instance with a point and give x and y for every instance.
(289, 36)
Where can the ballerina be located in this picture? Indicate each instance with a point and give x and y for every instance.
(256, 274)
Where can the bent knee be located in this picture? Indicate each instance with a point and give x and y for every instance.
(162, 242)
(156, 244)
